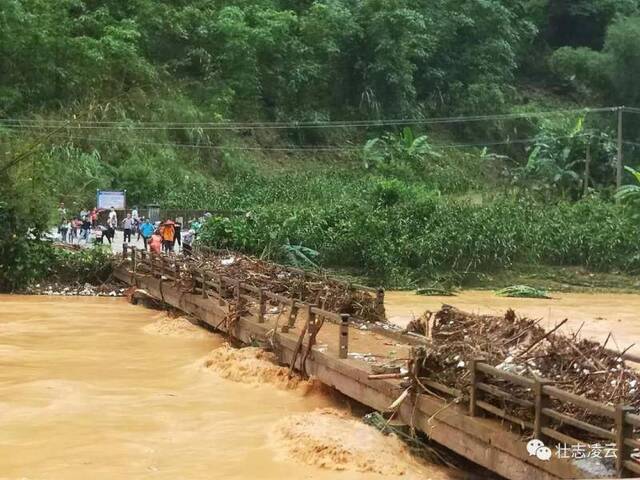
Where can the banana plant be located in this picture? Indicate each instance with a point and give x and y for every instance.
(557, 155)
(404, 147)
(630, 194)
(372, 155)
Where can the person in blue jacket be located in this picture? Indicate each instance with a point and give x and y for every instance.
(146, 230)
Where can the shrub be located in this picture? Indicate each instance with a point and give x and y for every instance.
(396, 232)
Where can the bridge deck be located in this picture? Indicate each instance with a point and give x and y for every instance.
(484, 441)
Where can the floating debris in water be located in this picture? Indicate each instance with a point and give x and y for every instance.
(522, 291)
(85, 290)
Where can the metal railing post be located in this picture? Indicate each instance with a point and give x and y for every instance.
(476, 377)
(133, 264)
(313, 325)
(623, 430)
(379, 308)
(220, 299)
(620, 154)
(236, 291)
(293, 314)
(541, 402)
(193, 282)
(262, 305)
(344, 335)
(239, 299)
(285, 327)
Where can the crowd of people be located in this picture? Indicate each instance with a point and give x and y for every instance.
(76, 229)
(91, 226)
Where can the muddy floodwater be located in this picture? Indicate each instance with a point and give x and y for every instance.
(97, 388)
(598, 313)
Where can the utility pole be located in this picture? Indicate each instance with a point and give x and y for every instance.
(619, 164)
(587, 166)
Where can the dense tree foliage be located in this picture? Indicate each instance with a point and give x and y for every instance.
(610, 71)
(270, 58)
(278, 59)
(190, 61)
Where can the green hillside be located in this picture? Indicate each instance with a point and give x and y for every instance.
(333, 125)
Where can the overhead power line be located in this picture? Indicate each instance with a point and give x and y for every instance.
(142, 125)
(300, 148)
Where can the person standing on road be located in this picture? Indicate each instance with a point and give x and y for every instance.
(127, 225)
(136, 221)
(63, 223)
(76, 224)
(69, 234)
(86, 228)
(155, 244)
(168, 232)
(178, 233)
(113, 218)
(187, 242)
(94, 217)
(99, 234)
(112, 224)
(146, 230)
(109, 232)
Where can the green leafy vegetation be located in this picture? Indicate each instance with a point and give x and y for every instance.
(401, 202)
(608, 72)
(522, 291)
(26, 255)
(271, 57)
(629, 195)
(435, 292)
(412, 236)
(25, 259)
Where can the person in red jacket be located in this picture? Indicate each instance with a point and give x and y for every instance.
(155, 244)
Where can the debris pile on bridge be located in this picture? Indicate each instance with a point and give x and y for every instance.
(521, 346)
(328, 293)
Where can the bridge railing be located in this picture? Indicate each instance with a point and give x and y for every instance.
(205, 281)
(534, 398)
(541, 396)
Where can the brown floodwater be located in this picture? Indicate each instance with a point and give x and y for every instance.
(97, 388)
(601, 313)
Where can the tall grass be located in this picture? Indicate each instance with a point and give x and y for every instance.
(399, 233)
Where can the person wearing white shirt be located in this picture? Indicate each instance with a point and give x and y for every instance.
(127, 225)
(113, 218)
